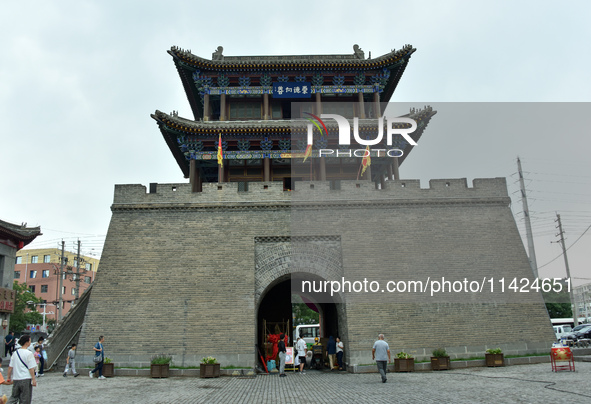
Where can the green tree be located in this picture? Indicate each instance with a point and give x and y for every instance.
(558, 303)
(302, 314)
(19, 319)
(559, 310)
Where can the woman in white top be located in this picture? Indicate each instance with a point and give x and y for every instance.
(340, 347)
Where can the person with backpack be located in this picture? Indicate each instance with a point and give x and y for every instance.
(21, 373)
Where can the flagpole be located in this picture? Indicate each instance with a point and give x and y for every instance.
(311, 159)
(359, 171)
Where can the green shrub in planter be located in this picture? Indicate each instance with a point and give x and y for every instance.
(440, 359)
(161, 360)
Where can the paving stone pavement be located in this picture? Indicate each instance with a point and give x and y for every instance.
(511, 384)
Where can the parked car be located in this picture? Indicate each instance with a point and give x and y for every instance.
(574, 335)
(583, 333)
(580, 327)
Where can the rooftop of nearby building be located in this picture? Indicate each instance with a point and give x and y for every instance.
(17, 236)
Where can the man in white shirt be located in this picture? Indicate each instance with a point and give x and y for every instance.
(302, 347)
(23, 364)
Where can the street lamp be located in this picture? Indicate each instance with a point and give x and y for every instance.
(44, 327)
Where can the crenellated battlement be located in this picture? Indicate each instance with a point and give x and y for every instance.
(494, 189)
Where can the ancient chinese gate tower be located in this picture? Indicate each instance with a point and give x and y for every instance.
(194, 269)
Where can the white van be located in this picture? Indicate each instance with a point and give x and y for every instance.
(561, 330)
(308, 332)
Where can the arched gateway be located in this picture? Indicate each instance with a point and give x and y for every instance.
(281, 263)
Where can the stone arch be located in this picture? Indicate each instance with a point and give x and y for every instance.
(278, 260)
(278, 257)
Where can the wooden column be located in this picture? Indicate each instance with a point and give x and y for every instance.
(223, 107)
(383, 181)
(194, 177)
(206, 107)
(266, 114)
(376, 101)
(395, 167)
(220, 173)
(266, 169)
(361, 106)
(318, 104)
(367, 173)
(390, 174)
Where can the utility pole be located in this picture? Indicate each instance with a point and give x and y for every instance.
(61, 303)
(77, 274)
(528, 231)
(572, 299)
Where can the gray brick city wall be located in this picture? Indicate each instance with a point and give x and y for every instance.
(182, 273)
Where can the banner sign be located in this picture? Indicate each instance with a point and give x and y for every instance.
(7, 300)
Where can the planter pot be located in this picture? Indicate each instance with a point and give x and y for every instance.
(212, 370)
(404, 365)
(159, 370)
(495, 359)
(441, 363)
(108, 369)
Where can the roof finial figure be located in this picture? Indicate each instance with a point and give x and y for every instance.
(359, 54)
(217, 55)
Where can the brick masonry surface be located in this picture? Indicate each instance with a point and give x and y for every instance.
(183, 273)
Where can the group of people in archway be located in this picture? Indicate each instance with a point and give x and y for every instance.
(315, 357)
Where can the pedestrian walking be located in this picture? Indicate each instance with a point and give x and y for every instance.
(302, 348)
(331, 349)
(42, 357)
(340, 347)
(381, 354)
(9, 343)
(21, 373)
(282, 350)
(37, 355)
(71, 362)
(3, 397)
(99, 358)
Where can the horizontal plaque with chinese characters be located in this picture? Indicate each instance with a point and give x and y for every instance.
(292, 90)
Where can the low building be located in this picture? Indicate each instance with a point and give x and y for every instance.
(582, 296)
(39, 270)
(13, 237)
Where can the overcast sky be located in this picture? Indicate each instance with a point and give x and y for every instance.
(79, 80)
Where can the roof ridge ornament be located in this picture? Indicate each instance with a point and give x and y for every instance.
(217, 55)
(357, 52)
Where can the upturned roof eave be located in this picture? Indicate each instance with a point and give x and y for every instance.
(187, 63)
(289, 61)
(18, 233)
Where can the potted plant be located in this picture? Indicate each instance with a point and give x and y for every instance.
(108, 368)
(209, 367)
(440, 359)
(160, 365)
(404, 362)
(494, 357)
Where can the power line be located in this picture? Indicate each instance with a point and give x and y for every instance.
(589, 227)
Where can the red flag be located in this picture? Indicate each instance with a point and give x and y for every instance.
(366, 162)
(308, 152)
